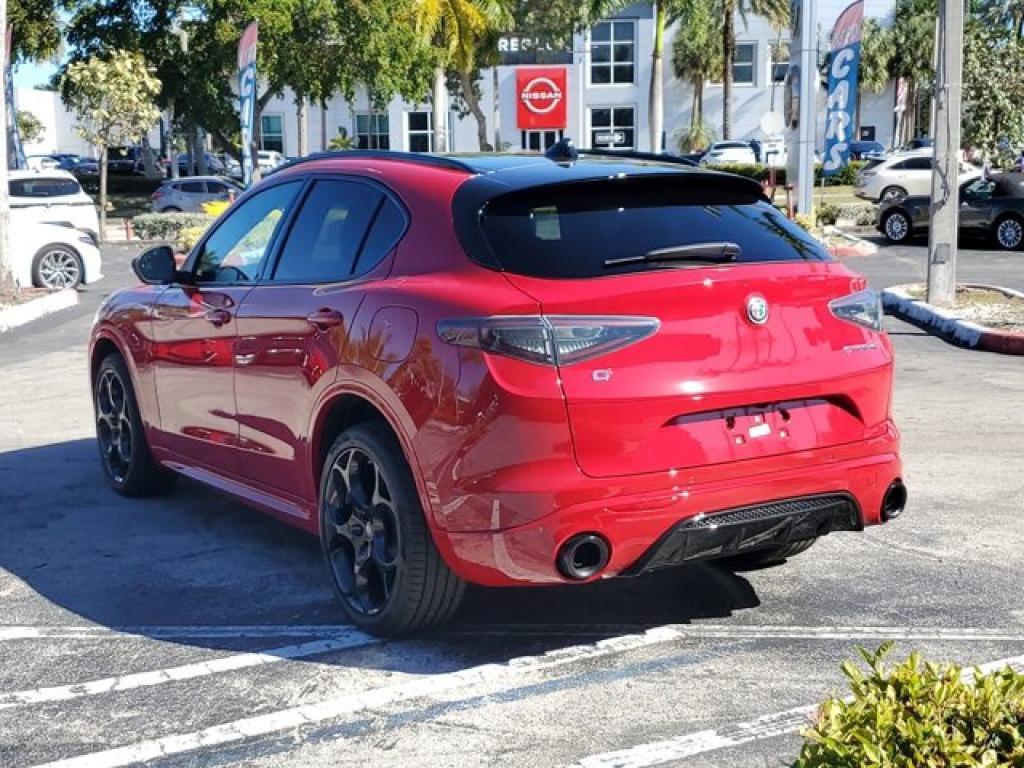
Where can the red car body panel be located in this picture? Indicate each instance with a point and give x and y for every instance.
(512, 458)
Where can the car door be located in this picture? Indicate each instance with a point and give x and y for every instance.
(192, 194)
(194, 332)
(976, 203)
(294, 326)
(917, 175)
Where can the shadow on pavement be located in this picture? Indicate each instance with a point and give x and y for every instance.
(198, 558)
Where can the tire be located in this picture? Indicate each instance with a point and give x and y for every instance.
(57, 266)
(120, 436)
(892, 194)
(1009, 233)
(171, 209)
(766, 557)
(896, 227)
(372, 526)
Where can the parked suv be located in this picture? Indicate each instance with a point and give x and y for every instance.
(901, 175)
(505, 370)
(190, 193)
(51, 197)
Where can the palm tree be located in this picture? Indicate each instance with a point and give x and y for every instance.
(697, 57)
(455, 28)
(777, 14)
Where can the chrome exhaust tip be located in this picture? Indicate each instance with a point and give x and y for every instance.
(583, 556)
(894, 501)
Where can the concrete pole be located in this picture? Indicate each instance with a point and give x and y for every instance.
(945, 209)
(6, 268)
(807, 131)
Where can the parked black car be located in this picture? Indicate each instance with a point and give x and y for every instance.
(130, 160)
(990, 207)
(214, 165)
(858, 149)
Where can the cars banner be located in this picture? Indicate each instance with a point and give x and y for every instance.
(843, 71)
(247, 96)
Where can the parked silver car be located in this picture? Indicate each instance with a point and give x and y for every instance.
(190, 193)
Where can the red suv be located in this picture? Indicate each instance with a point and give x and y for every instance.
(505, 370)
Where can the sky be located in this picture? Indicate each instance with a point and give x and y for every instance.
(32, 73)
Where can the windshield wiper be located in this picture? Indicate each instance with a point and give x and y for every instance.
(705, 253)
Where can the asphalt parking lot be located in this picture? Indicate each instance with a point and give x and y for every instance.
(190, 631)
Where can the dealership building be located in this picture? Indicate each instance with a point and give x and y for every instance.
(597, 92)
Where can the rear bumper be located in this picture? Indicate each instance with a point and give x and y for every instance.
(632, 516)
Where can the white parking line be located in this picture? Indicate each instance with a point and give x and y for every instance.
(350, 639)
(737, 734)
(158, 632)
(425, 687)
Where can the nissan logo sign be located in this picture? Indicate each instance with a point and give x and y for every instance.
(540, 95)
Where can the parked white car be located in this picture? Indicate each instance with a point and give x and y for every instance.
(900, 175)
(53, 256)
(269, 160)
(41, 162)
(51, 197)
(729, 153)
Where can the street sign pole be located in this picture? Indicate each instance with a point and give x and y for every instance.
(945, 208)
(6, 268)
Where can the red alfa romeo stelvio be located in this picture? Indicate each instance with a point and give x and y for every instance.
(505, 370)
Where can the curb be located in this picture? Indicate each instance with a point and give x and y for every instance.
(32, 310)
(947, 325)
(841, 244)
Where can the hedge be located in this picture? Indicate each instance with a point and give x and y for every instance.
(846, 177)
(168, 226)
(916, 714)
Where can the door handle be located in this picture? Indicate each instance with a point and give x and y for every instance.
(218, 317)
(325, 318)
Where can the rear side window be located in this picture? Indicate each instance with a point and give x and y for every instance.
(918, 164)
(328, 232)
(572, 230)
(387, 229)
(43, 187)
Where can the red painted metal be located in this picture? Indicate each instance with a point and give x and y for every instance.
(512, 458)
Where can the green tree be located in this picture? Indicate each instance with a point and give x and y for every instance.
(35, 29)
(30, 127)
(114, 99)
(458, 30)
(777, 14)
(993, 120)
(697, 58)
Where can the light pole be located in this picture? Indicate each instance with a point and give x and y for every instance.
(942, 230)
(6, 268)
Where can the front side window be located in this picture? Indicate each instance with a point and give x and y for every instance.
(193, 187)
(613, 52)
(373, 131)
(421, 132)
(272, 133)
(613, 127)
(328, 232)
(43, 187)
(234, 252)
(744, 71)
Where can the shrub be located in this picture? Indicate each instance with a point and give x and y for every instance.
(168, 226)
(805, 221)
(827, 213)
(188, 237)
(846, 177)
(917, 714)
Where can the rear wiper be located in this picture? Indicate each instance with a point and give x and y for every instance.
(708, 253)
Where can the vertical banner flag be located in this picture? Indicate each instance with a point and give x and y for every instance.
(843, 69)
(247, 96)
(15, 152)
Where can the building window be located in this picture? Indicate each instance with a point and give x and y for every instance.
(744, 69)
(373, 131)
(779, 53)
(538, 141)
(272, 133)
(421, 131)
(612, 52)
(612, 127)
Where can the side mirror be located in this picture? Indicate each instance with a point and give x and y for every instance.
(156, 266)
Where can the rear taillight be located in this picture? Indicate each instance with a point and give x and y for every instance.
(863, 308)
(157, 195)
(547, 339)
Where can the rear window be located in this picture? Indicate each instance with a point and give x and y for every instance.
(43, 187)
(572, 230)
